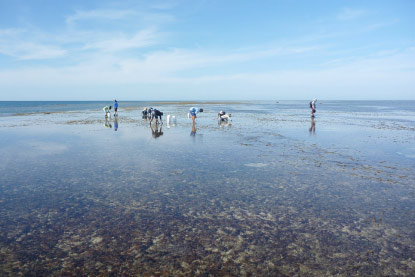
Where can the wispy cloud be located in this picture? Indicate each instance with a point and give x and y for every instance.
(389, 71)
(31, 51)
(99, 15)
(177, 60)
(113, 43)
(15, 43)
(164, 6)
(135, 16)
(350, 14)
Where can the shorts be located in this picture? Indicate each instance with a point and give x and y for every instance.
(116, 109)
(192, 114)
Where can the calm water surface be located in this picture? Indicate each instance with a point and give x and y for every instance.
(272, 193)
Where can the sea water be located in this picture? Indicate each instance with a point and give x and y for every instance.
(273, 192)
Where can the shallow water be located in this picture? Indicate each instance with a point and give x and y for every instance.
(272, 193)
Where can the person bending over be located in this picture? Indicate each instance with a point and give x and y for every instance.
(222, 116)
(156, 114)
(193, 111)
(107, 110)
(313, 107)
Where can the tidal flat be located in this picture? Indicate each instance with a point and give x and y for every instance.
(271, 193)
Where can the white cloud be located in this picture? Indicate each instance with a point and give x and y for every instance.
(122, 42)
(166, 67)
(135, 16)
(99, 15)
(31, 51)
(182, 59)
(18, 44)
(350, 14)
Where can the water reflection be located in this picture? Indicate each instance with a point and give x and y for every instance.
(172, 120)
(156, 130)
(193, 132)
(115, 123)
(312, 129)
(107, 122)
(246, 202)
(224, 123)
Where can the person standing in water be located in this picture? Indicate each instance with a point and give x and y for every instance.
(193, 111)
(115, 108)
(313, 107)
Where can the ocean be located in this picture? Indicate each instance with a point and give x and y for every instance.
(271, 192)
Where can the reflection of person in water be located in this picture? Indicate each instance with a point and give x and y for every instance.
(222, 124)
(115, 123)
(155, 131)
(107, 123)
(193, 132)
(312, 129)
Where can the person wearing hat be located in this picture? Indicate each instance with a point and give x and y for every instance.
(193, 111)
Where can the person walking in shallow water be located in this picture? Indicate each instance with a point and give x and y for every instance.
(313, 107)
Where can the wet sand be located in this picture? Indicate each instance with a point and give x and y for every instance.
(271, 194)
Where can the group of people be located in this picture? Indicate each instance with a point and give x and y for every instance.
(155, 114)
(107, 109)
(152, 114)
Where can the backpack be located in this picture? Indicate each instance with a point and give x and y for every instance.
(311, 105)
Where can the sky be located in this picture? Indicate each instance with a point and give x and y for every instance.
(207, 50)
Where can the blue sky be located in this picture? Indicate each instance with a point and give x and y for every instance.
(206, 50)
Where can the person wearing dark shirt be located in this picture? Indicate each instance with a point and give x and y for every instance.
(156, 114)
(313, 107)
